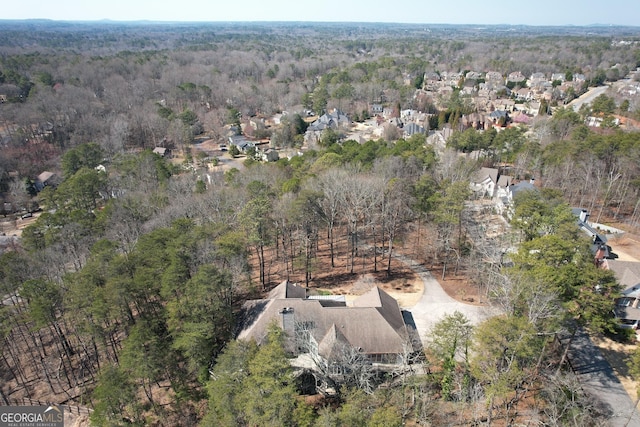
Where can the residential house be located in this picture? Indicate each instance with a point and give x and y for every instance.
(524, 94)
(241, 142)
(494, 76)
(499, 117)
(46, 179)
(503, 186)
(627, 308)
(431, 81)
(333, 120)
(484, 181)
(535, 79)
(473, 75)
(376, 109)
(599, 246)
(506, 204)
(323, 327)
(474, 120)
(468, 88)
(516, 77)
(451, 78)
(269, 155)
(412, 129)
(161, 151)
(504, 104)
(488, 182)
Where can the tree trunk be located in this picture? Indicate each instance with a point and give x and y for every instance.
(389, 255)
(333, 264)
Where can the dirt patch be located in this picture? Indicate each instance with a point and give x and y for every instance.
(369, 270)
(627, 247)
(460, 287)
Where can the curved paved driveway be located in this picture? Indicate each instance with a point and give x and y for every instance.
(594, 372)
(435, 303)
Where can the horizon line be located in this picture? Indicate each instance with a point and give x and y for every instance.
(159, 21)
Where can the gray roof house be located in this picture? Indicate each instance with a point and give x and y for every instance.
(412, 129)
(241, 142)
(372, 324)
(627, 308)
(333, 120)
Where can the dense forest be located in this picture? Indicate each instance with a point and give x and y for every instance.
(122, 291)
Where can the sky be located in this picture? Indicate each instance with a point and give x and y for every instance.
(537, 12)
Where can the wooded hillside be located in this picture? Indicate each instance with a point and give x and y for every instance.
(121, 294)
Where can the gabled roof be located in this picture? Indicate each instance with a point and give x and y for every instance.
(485, 173)
(521, 186)
(45, 176)
(287, 289)
(497, 114)
(374, 324)
(627, 273)
(505, 180)
(412, 129)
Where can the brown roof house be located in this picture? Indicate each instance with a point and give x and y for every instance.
(328, 336)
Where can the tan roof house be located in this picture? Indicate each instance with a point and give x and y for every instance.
(483, 182)
(373, 324)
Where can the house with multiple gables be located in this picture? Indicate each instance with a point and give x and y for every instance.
(324, 326)
(488, 183)
(627, 308)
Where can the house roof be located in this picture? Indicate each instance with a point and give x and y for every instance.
(412, 129)
(627, 273)
(45, 176)
(505, 180)
(498, 114)
(485, 173)
(373, 324)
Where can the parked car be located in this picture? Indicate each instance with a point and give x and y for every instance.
(27, 215)
(629, 323)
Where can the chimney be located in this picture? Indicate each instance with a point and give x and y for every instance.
(584, 215)
(288, 321)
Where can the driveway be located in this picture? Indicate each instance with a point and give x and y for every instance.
(599, 380)
(594, 373)
(435, 303)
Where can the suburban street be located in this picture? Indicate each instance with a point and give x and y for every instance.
(588, 97)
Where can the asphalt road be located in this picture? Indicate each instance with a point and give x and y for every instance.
(588, 97)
